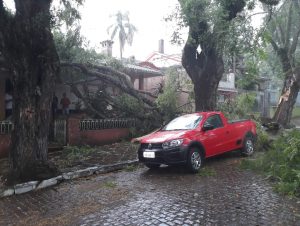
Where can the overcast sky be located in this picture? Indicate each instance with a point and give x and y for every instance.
(146, 15)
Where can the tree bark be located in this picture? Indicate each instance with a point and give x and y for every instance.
(207, 67)
(206, 70)
(286, 103)
(285, 50)
(31, 55)
(289, 93)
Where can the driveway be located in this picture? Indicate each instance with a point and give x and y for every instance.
(223, 195)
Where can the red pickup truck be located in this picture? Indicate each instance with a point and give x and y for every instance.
(191, 138)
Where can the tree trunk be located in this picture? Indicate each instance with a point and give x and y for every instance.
(31, 55)
(206, 70)
(290, 90)
(286, 102)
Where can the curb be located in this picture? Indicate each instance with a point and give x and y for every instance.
(37, 185)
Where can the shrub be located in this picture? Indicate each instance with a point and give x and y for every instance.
(239, 107)
(281, 163)
(167, 101)
(263, 141)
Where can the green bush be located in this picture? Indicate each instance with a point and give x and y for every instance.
(239, 107)
(263, 142)
(281, 163)
(167, 101)
(73, 153)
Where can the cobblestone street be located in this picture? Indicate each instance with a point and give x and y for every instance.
(167, 196)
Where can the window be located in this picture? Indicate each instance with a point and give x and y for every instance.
(215, 121)
(184, 122)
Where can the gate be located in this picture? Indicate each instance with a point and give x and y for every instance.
(60, 131)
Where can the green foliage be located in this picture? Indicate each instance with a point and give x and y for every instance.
(248, 79)
(129, 106)
(66, 12)
(77, 153)
(263, 140)
(110, 184)
(281, 163)
(129, 103)
(131, 168)
(72, 47)
(214, 24)
(240, 107)
(167, 101)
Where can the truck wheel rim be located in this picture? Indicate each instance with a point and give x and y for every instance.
(249, 147)
(196, 160)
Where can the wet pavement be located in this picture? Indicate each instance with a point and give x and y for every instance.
(224, 195)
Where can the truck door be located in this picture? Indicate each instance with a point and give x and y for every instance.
(216, 139)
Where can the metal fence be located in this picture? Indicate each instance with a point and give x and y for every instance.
(98, 124)
(6, 127)
(60, 131)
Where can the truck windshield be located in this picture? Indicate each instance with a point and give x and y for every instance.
(184, 122)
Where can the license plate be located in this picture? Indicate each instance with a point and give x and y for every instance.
(149, 154)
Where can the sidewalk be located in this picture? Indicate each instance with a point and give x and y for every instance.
(80, 159)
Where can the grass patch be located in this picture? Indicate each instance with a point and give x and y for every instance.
(131, 168)
(206, 172)
(77, 152)
(295, 113)
(110, 184)
(281, 163)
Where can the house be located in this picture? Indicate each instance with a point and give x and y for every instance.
(143, 75)
(226, 88)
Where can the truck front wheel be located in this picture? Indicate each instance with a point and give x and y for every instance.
(195, 160)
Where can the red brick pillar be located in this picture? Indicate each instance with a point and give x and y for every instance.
(5, 143)
(73, 131)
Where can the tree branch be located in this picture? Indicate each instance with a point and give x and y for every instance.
(85, 100)
(122, 84)
(147, 93)
(296, 34)
(294, 42)
(281, 34)
(289, 25)
(275, 46)
(111, 71)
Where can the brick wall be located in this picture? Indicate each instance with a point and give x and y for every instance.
(77, 137)
(4, 145)
(93, 137)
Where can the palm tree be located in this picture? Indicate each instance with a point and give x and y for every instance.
(125, 29)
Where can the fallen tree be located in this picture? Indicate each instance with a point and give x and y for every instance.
(100, 102)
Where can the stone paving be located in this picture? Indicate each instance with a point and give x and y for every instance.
(167, 196)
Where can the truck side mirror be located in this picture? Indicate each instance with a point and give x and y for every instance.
(207, 127)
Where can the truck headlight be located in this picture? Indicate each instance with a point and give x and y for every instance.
(172, 143)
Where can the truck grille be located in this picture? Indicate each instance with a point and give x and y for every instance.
(153, 145)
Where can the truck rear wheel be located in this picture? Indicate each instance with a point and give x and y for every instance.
(195, 160)
(248, 146)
